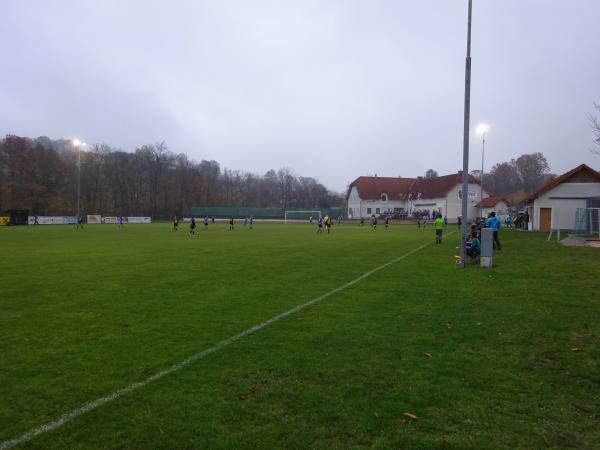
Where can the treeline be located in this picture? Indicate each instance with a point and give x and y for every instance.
(517, 178)
(41, 175)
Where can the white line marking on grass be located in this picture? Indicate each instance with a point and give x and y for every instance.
(87, 407)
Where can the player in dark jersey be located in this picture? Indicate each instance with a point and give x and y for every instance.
(193, 227)
(175, 223)
(387, 222)
(374, 222)
(80, 222)
(231, 224)
(251, 221)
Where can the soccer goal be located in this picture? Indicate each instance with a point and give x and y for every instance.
(302, 216)
(587, 222)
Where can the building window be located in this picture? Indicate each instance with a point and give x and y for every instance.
(376, 210)
(384, 197)
(368, 210)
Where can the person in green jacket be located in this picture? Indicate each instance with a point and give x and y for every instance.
(439, 229)
(474, 248)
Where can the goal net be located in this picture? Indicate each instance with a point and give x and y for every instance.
(587, 222)
(301, 216)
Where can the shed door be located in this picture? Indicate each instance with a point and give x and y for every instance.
(545, 219)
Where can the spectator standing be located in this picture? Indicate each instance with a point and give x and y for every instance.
(494, 223)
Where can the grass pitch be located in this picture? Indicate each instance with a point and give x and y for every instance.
(507, 357)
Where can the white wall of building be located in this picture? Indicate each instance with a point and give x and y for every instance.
(500, 208)
(449, 206)
(454, 203)
(564, 200)
(358, 207)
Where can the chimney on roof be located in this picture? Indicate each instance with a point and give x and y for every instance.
(419, 178)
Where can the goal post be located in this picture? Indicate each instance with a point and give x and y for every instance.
(301, 215)
(587, 222)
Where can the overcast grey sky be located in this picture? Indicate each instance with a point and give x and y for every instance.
(332, 89)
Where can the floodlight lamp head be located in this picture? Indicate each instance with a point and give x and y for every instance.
(76, 142)
(482, 128)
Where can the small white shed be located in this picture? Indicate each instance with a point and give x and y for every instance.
(554, 206)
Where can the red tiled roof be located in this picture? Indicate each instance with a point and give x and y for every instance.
(490, 202)
(371, 188)
(439, 186)
(561, 179)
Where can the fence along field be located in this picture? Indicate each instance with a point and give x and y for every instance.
(96, 311)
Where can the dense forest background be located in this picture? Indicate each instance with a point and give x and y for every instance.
(41, 175)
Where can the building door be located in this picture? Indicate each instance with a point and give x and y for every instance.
(545, 219)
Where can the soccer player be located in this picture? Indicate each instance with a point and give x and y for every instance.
(374, 222)
(328, 224)
(120, 221)
(439, 229)
(319, 225)
(205, 223)
(175, 223)
(251, 221)
(193, 227)
(245, 220)
(362, 222)
(387, 222)
(231, 224)
(80, 222)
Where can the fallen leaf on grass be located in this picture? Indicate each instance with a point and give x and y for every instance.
(576, 349)
(411, 416)
(402, 421)
(581, 408)
(545, 441)
(162, 431)
(242, 397)
(428, 355)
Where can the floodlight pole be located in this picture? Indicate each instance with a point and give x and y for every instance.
(481, 178)
(465, 174)
(78, 180)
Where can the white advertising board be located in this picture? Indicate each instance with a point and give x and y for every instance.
(94, 218)
(52, 220)
(108, 219)
(139, 220)
(472, 194)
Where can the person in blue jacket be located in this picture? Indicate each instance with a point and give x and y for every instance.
(493, 222)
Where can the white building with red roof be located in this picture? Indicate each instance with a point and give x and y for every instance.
(496, 204)
(554, 206)
(396, 195)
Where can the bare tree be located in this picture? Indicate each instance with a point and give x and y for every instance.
(595, 124)
(431, 174)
